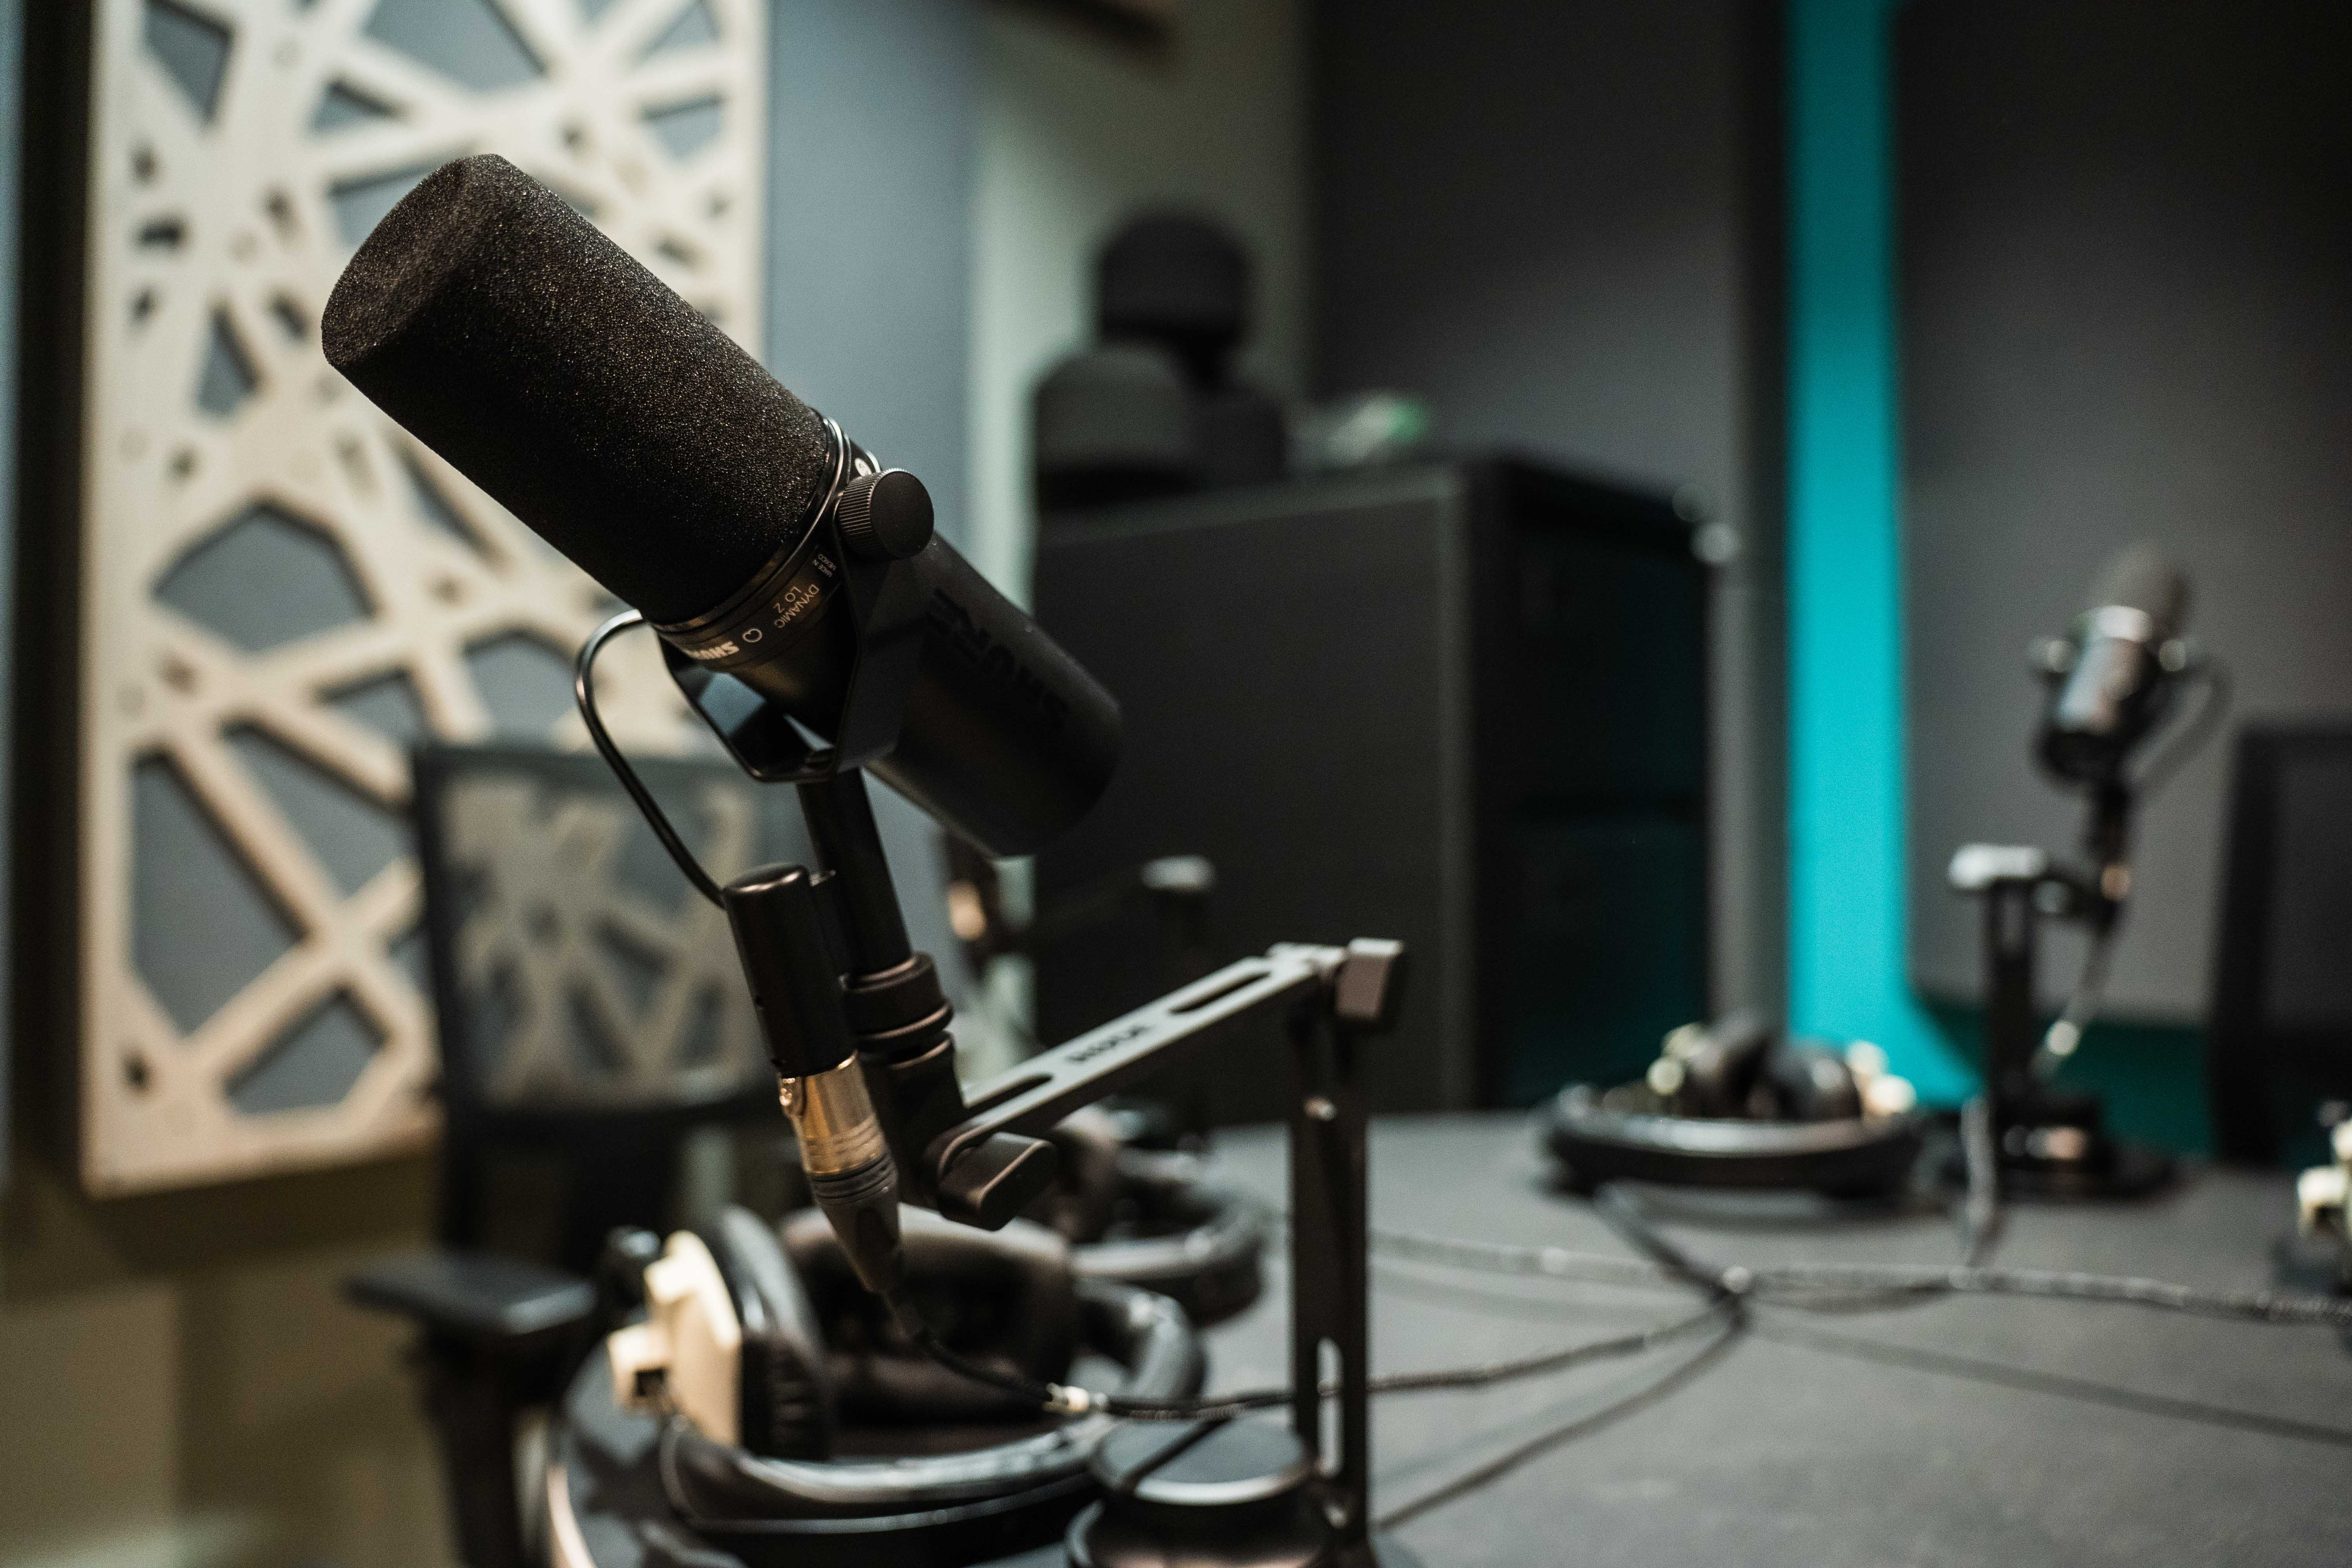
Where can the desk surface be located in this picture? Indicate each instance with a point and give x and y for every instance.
(1952, 1432)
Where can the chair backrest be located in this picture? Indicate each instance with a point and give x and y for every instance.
(2279, 1041)
(597, 1041)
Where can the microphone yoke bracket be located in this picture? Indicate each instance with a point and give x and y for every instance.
(886, 605)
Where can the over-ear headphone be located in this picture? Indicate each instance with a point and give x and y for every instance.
(1738, 1104)
(1147, 1216)
(819, 1438)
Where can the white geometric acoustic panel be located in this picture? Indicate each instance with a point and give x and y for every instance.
(279, 591)
(584, 980)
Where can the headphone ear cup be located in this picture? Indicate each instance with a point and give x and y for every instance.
(1134, 1209)
(1002, 1298)
(1721, 1069)
(1810, 1084)
(786, 1396)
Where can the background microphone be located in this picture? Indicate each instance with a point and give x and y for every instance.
(2112, 678)
(546, 365)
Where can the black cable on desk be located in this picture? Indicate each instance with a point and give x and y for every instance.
(1063, 1399)
(1979, 1223)
(1732, 1288)
(1960, 1280)
(1535, 1262)
(1624, 1215)
(1495, 1469)
(1911, 1280)
(1729, 1288)
(1495, 1371)
(2056, 1384)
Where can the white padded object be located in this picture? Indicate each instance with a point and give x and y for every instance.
(686, 1356)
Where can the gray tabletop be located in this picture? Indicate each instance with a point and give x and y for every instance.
(1950, 1432)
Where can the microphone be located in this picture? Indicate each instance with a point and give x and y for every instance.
(2111, 678)
(503, 330)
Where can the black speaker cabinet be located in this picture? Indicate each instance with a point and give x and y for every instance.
(1463, 704)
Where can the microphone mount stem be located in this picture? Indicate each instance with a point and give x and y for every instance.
(840, 817)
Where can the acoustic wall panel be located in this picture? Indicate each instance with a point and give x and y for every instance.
(582, 970)
(277, 591)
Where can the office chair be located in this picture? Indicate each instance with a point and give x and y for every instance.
(2279, 1041)
(600, 1068)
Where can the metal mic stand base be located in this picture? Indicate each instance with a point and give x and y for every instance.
(1240, 1494)
(1258, 1492)
(1384, 1551)
(2112, 1169)
(2051, 1148)
(2049, 1143)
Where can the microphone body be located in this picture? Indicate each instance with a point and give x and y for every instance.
(503, 330)
(1006, 738)
(2113, 684)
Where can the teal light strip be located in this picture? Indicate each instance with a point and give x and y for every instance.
(1847, 969)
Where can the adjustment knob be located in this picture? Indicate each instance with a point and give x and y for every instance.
(885, 516)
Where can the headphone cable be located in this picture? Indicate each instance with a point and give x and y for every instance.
(1063, 1399)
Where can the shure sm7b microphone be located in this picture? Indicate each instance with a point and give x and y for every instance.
(504, 333)
(551, 369)
(2112, 676)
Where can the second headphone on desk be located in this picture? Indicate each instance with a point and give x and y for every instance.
(1138, 1210)
(1739, 1104)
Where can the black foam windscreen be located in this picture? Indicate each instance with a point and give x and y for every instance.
(2144, 578)
(501, 328)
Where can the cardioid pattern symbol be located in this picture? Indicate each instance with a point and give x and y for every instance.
(279, 591)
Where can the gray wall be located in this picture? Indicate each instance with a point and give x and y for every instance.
(873, 119)
(873, 113)
(2127, 313)
(1077, 132)
(1537, 216)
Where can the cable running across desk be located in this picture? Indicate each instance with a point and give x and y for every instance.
(1794, 1278)
(1732, 1288)
(1063, 1399)
(1729, 1288)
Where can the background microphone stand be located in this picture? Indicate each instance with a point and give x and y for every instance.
(2047, 1141)
(983, 1160)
